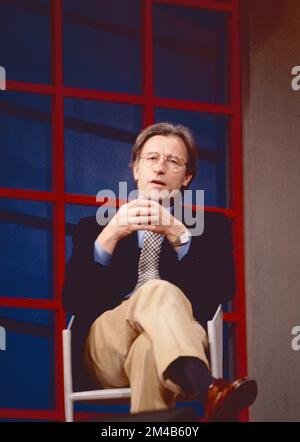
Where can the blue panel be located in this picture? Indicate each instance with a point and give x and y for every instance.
(116, 409)
(27, 364)
(196, 405)
(190, 53)
(25, 40)
(26, 258)
(95, 408)
(98, 141)
(25, 154)
(102, 44)
(75, 212)
(210, 132)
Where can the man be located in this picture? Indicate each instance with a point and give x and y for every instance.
(143, 288)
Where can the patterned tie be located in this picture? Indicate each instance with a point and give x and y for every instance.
(149, 258)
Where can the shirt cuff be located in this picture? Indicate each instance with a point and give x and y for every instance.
(183, 250)
(100, 255)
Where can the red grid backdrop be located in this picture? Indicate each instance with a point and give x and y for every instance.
(59, 198)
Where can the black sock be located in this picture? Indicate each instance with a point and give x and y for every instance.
(192, 375)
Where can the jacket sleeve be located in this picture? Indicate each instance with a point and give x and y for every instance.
(85, 278)
(212, 259)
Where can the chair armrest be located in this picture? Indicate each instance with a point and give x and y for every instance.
(71, 322)
(215, 340)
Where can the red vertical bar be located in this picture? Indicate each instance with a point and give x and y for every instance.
(148, 73)
(58, 189)
(237, 203)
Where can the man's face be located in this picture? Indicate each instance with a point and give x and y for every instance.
(157, 177)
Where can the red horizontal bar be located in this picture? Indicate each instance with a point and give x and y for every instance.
(23, 194)
(34, 88)
(43, 304)
(91, 94)
(193, 106)
(110, 202)
(87, 94)
(228, 212)
(91, 415)
(202, 4)
(231, 317)
(14, 413)
(86, 200)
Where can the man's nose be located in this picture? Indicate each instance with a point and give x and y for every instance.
(160, 166)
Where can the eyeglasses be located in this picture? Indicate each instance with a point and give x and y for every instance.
(172, 162)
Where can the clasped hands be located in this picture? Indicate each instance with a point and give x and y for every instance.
(145, 214)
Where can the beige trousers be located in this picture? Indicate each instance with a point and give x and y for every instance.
(134, 343)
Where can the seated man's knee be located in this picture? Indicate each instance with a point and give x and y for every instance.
(166, 293)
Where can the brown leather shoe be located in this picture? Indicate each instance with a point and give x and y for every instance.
(225, 399)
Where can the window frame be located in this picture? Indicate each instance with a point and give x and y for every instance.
(58, 92)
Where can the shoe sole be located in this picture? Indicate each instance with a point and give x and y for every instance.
(243, 395)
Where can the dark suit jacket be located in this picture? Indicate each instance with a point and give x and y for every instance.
(205, 275)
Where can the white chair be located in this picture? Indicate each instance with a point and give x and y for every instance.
(215, 342)
(215, 339)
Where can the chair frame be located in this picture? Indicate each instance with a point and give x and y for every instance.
(215, 340)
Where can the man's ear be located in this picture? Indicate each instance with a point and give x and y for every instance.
(187, 179)
(135, 170)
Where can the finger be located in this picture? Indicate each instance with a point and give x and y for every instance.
(133, 218)
(136, 202)
(133, 208)
(142, 211)
(142, 227)
(144, 203)
(147, 220)
(132, 203)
